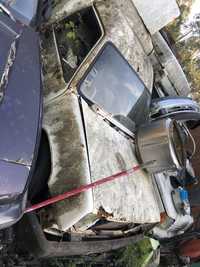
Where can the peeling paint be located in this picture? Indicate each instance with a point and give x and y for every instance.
(129, 198)
(8, 66)
(132, 198)
(63, 125)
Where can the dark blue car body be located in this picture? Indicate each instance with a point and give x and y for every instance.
(28, 12)
(23, 10)
(20, 117)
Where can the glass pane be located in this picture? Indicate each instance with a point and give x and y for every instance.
(114, 86)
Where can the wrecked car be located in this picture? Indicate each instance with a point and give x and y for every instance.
(77, 54)
(98, 119)
(47, 166)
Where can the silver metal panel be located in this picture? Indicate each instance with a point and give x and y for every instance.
(156, 141)
(179, 108)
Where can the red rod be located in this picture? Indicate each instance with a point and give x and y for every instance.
(84, 188)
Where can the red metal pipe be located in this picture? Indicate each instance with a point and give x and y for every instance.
(84, 188)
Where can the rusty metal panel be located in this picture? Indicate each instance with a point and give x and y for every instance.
(119, 28)
(129, 199)
(132, 198)
(63, 124)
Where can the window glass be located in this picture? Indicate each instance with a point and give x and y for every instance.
(113, 85)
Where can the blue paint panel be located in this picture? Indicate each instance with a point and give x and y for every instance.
(13, 178)
(20, 118)
(23, 10)
(20, 110)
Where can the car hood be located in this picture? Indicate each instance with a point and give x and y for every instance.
(20, 109)
(20, 115)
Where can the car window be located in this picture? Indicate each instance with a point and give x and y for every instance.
(114, 86)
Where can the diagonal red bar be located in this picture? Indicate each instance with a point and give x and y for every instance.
(84, 188)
